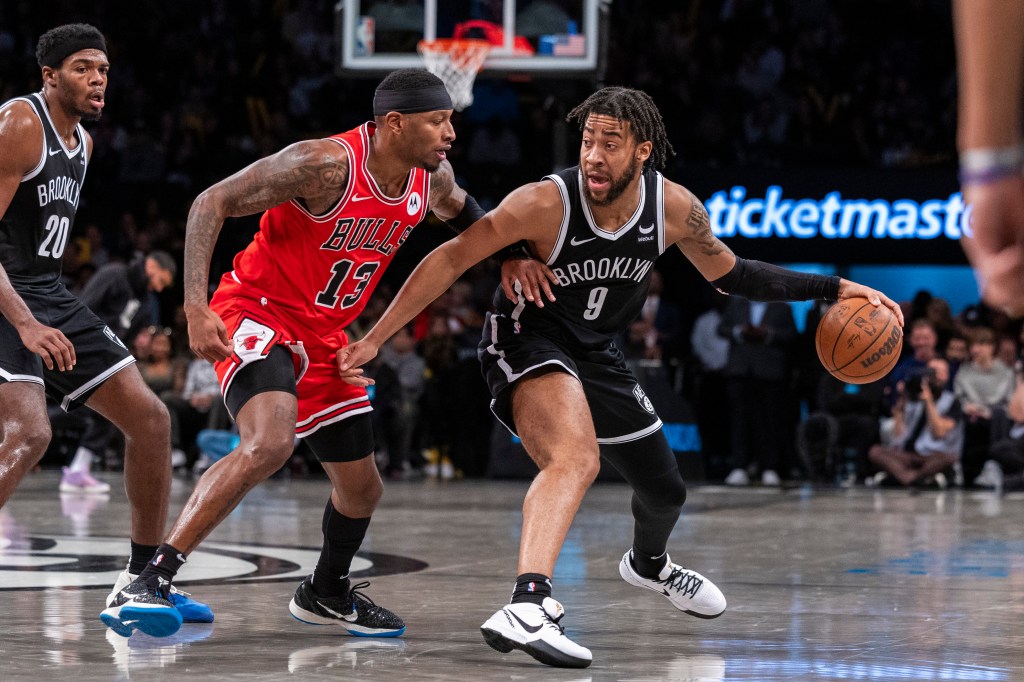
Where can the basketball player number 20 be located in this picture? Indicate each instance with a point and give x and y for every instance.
(595, 302)
(57, 229)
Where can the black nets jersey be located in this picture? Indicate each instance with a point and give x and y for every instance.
(35, 228)
(603, 276)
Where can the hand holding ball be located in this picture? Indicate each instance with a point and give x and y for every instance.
(858, 342)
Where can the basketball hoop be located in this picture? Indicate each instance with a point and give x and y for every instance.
(456, 62)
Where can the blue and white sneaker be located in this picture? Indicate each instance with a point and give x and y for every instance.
(143, 606)
(192, 611)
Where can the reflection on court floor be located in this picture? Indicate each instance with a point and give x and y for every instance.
(822, 585)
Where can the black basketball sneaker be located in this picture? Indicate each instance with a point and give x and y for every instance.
(355, 612)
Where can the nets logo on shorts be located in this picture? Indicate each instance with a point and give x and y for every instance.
(642, 398)
(109, 333)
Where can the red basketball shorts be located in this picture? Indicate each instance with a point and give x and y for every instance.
(254, 329)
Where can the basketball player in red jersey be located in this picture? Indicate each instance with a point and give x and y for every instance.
(337, 209)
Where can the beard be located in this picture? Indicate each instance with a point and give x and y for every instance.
(618, 186)
(68, 101)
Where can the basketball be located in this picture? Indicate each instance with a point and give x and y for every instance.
(858, 342)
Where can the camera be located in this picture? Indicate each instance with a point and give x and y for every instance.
(914, 379)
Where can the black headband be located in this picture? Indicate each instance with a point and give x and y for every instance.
(412, 101)
(58, 53)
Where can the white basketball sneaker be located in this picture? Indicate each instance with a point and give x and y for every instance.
(534, 629)
(688, 591)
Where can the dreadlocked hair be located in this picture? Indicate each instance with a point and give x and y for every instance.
(636, 108)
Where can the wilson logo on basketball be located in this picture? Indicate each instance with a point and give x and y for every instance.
(892, 344)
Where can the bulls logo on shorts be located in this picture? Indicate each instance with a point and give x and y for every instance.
(642, 398)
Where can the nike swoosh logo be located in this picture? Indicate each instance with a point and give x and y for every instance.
(54, 151)
(356, 197)
(350, 617)
(577, 242)
(647, 230)
(529, 628)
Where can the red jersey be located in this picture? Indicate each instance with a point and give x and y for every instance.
(322, 269)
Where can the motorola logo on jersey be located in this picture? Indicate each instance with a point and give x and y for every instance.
(414, 204)
(52, 561)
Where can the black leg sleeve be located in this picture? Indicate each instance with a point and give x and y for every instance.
(650, 467)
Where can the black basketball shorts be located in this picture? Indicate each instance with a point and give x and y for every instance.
(621, 410)
(99, 353)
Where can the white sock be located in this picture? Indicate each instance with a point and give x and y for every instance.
(82, 461)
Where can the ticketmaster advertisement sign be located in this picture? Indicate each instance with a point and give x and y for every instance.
(841, 217)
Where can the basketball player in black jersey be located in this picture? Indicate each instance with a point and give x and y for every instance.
(557, 378)
(50, 343)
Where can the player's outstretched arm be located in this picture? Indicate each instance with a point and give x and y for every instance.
(21, 139)
(688, 226)
(521, 215)
(460, 210)
(314, 171)
(990, 65)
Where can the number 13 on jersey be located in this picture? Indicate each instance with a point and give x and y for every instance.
(362, 275)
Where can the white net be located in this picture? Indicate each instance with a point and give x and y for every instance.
(456, 62)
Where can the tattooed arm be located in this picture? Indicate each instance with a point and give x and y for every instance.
(446, 197)
(688, 227)
(314, 171)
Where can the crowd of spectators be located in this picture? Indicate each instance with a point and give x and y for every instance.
(199, 89)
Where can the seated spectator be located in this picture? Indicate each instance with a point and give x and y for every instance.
(833, 442)
(923, 342)
(956, 353)
(927, 435)
(160, 370)
(197, 407)
(983, 386)
(1006, 350)
(1005, 471)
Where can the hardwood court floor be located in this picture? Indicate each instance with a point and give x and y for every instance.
(822, 585)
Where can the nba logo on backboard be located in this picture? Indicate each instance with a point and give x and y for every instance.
(642, 398)
(365, 31)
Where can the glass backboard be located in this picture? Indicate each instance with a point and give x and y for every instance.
(540, 37)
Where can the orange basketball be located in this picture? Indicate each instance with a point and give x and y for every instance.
(858, 342)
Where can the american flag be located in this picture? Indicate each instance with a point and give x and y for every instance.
(570, 45)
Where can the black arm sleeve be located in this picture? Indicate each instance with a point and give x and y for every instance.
(470, 213)
(759, 281)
